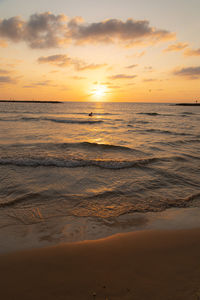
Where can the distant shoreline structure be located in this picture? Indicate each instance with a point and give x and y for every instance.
(31, 101)
(188, 104)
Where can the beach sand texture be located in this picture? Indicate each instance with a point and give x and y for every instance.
(142, 265)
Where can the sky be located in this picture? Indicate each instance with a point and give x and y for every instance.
(108, 50)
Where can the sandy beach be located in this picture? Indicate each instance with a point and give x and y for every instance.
(140, 265)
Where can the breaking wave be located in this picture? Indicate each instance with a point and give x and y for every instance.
(77, 163)
(91, 145)
(81, 145)
(56, 120)
(62, 120)
(149, 114)
(152, 130)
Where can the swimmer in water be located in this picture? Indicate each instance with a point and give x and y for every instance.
(90, 114)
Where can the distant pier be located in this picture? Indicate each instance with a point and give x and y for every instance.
(188, 104)
(27, 101)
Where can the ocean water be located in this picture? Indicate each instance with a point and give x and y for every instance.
(65, 176)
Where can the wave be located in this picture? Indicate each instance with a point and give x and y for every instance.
(130, 204)
(192, 156)
(8, 120)
(142, 122)
(66, 121)
(154, 114)
(101, 114)
(192, 197)
(87, 145)
(182, 202)
(20, 199)
(89, 206)
(56, 120)
(149, 114)
(91, 145)
(56, 113)
(132, 124)
(167, 132)
(187, 113)
(77, 163)
(180, 142)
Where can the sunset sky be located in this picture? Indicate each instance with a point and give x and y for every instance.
(108, 50)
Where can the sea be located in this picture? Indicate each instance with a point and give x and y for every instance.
(66, 176)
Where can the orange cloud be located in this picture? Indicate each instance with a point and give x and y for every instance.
(42, 83)
(2, 71)
(78, 77)
(131, 66)
(138, 55)
(190, 52)
(189, 72)
(176, 47)
(6, 79)
(83, 66)
(149, 79)
(122, 76)
(62, 60)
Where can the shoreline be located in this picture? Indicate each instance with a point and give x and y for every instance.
(57, 230)
(153, 265)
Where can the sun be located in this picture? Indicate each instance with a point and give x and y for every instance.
(99, 91)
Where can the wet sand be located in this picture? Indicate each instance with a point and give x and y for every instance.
(141, 265)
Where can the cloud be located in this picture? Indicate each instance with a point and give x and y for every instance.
(28, 86)
(6, 79)
(131, 66)
(190, 52)
(176, 47)
(149, 79)
(108, 85)
(190, 72)
(43, 83)
(60, 60)
(122, 76)
(39, 83)
(114, 30)
(78, 77)
(83, 66)
(12, 28)
(2, 71)
(43, 30)
(46, 30)
(138, 55)
(148, 69)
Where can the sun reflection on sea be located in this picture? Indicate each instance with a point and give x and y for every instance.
(99, 141)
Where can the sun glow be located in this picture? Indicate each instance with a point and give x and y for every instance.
(99, 91)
